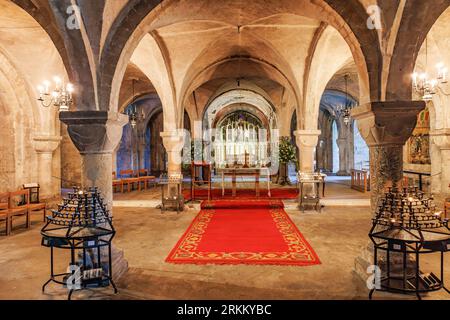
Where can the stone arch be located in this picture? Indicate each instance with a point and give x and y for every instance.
(41, 12)
(348, 17)
(7, 142)
(258, 52)
(318, 77)
(149, 58)
(78, 59)
(27, 32)
(233, 97)
(255, 67)
(18, 158)
(418, 18)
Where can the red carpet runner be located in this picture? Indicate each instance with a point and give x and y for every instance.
(277, 193)
(243, 232)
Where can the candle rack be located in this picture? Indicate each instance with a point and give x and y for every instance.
(312, 198)
(407, 224)
(83, 226)
(171, 192)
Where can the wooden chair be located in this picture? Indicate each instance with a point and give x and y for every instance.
(4, 212)
(117, 183)
(206, 171)
(19, 205)
(129, 179)
(35, 205)
(143, 177)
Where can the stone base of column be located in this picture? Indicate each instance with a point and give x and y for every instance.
(342, 173)
(119, 263)
(365, 260)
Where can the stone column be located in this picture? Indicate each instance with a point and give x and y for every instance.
(96, 134)
(441, 138)
(343, 151)
(345, 144)
(307, 142)
(386, 126)
(45, 146)
(173, 143)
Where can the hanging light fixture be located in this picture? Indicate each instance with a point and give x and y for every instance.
(344, 110)
(60, 96)
(132, 110)
(426, 86)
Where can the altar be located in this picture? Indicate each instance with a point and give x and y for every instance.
(257, 173)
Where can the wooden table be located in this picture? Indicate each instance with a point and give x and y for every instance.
(255, 172)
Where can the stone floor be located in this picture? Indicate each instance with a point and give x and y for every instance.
(146, 236)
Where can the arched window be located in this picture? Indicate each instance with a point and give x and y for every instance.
(239, 135)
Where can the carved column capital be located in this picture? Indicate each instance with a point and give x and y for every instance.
(173, 140)
(94, 132)
(441, 138)
(46, 144)
(307, 138)
(387, 123)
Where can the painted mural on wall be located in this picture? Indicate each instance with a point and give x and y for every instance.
(419, 143)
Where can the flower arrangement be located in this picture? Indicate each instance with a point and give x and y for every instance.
(287, 151)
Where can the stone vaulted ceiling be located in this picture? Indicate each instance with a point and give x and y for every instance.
(200, 46)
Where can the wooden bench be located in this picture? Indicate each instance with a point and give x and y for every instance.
(4, 212)
(19, 205)
(129, 180)
(116, 183)
(360, 180)
(35, 205)
(143, 177)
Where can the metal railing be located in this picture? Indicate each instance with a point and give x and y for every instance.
(420, 175)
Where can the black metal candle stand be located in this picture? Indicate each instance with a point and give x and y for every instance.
(81, 224)
(312, 199)
(407, 225)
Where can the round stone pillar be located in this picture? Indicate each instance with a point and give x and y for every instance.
(307, 142)
(96, 135)
(343, 158)
(173, 143)
(45, 146)
(386, 126)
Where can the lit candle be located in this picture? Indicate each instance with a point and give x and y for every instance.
(433, 84)
(46, 87)
(70, 89)
(444, 75)
(414, 77)
(57, 82)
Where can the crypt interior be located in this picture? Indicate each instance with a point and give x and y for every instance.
(240, 149)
